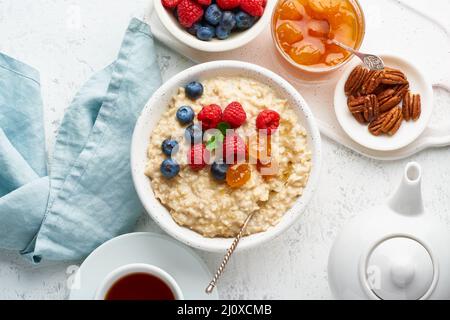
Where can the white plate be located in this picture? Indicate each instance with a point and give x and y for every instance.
(188, 270)
(409, 130)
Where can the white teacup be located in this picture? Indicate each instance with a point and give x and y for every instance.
(128, 269)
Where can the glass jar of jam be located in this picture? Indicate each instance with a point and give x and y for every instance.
(301, 30)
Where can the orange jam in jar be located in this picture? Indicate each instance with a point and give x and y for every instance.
(302, 29)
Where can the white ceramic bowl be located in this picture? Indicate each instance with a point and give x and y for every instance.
(153, 111)
(236, 39)
(409, 131)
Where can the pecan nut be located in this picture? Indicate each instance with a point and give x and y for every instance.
(355, 80)
(356, 104)
(375, 127)
(393, 121)
(372, 108)
(387, 99)
(359, 117)
(373, 80)
(391, 97)
(385, 95)
(401, 90)
(417, 107)
(357, 107)
(412, 107)
(390, 103)
(388, 122)
(393, 77)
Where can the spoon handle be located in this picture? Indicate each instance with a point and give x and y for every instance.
(227, 256)
(344, 46)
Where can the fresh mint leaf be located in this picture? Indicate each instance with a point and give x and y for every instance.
(214, 141)
(223, 127)
(211, 144)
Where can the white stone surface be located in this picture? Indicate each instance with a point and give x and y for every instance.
(68, 40)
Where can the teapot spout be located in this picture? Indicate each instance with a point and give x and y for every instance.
(407, 199)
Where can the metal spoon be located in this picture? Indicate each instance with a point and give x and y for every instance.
(371, 61)
(227, 256)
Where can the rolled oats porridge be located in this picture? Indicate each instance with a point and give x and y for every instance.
(215, 199)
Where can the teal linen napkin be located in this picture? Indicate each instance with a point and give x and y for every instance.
(88, 196)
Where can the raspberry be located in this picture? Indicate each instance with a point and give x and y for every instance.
(234, 115)
(189, 12)
(198, 157)
(234, 149)
(253, 7)
(210, 116)
(228, 4)
(268, 119)
(170, 3)
(204, 2)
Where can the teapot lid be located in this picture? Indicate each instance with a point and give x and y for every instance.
(399, 268)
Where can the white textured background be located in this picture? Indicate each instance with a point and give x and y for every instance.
(68, 40)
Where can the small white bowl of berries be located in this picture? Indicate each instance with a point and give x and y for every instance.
(214, 25)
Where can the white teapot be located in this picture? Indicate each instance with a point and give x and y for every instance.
(393, 251)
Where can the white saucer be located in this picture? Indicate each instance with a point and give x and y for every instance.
(409, 131)
(188, 270)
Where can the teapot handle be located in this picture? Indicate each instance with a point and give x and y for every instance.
(407, 199)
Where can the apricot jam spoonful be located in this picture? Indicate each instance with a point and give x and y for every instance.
(371, 61)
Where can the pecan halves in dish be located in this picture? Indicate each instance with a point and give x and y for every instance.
(412, 106)
(375, 97)
(388, 122)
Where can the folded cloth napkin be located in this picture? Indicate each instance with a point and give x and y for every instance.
(87, 196)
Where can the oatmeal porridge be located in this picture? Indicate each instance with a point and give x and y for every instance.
(214, 199)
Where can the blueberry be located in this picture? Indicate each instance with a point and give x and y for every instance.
(222, 33)
(219, 170)
(206, 32)
(169, 147)
(194, 90)
(210, 27)
(169, 168)
(228, 21)
(185, 114)
(244, 20)
(193, 30)
(193, 134)
(213, 14)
